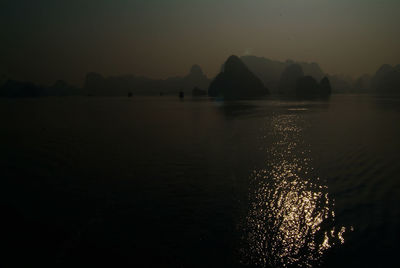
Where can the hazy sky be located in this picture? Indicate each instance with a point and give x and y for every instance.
(43, 40)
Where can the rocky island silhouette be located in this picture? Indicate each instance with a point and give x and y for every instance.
(240, 77)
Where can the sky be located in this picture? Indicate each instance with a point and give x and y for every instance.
(47, 40)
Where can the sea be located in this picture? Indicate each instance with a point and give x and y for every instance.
(198, 182)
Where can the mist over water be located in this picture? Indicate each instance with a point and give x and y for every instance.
(162, 182)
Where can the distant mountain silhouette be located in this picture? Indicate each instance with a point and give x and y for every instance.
(15, 89)
(196, 78)
(325, 88)
(248, 76)
(62, 88)
(312, 69)
(363, 84)
(270, 71)
(288, 81)
(96, 84)
(341, 83)
(236, 81)
(308, 87)
(387, 80)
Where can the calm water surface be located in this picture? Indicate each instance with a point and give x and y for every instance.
(195, 183)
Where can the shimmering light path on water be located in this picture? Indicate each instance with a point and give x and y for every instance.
(289, 203)
(163, 182)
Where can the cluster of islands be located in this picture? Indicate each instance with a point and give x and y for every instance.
(244, 77)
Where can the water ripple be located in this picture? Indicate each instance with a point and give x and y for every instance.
(291, 218)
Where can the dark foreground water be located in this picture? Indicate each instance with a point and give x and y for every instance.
(159, 182)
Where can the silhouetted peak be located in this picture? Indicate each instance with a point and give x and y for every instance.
(196, 73)
(325, 81)
(325, 86)
(385, 68)
(234, 65)
(387, 80)
(306, 86)
(196, 70)
(252, 57)
(232, 59)
(236, 81)
(195, 78)
(289, 77)
(312, 69)
(252, 61)
(270, 71)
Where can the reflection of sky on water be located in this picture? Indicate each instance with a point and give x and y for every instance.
(291, 217)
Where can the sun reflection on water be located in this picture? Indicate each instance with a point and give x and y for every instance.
(291, 217)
